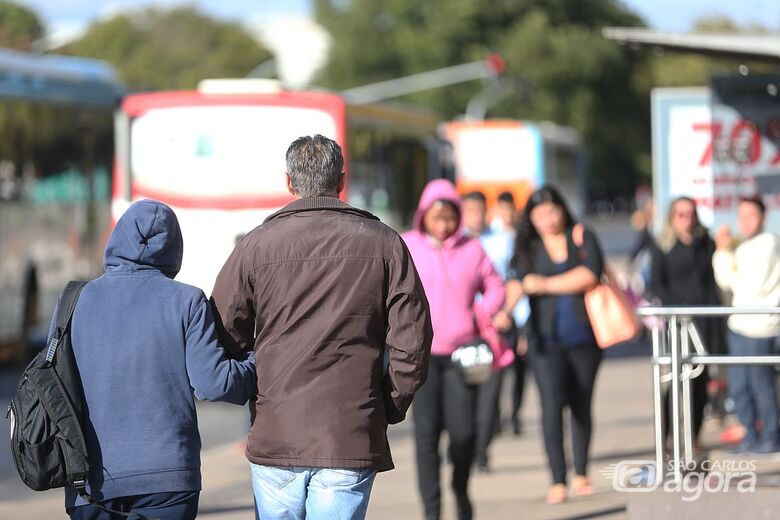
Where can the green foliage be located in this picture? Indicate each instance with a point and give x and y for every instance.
(577, 77)
(19, 26)
(170, 49)
(581, 79)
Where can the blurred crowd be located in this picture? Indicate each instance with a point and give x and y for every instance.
(530, 276)
(686, 265)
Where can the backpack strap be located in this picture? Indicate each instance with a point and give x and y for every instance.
(94, 503)
(67, 303)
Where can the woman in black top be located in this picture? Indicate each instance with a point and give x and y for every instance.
(681, 274)
(682, 263)
(555, 273)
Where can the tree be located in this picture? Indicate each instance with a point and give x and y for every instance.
(583, 80)
(577, 77)
(170, 49)
(19, 26)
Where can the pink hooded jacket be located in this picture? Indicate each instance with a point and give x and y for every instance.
(452, 276)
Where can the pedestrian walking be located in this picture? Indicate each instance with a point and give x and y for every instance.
(555, 273)
(454, 269)
(323, 292)
(497, 240)
(500, 245)
(145, 347)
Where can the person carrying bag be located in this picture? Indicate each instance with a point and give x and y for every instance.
(612, 318)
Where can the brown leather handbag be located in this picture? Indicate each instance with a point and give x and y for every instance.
(612, 317)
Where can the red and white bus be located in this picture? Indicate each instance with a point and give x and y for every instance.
(216, 156)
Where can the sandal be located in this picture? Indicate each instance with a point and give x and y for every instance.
(556, 494)
(581, 486)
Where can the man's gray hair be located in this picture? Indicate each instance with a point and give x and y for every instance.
(315, 166)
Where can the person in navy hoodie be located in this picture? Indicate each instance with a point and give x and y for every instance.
(145, 347)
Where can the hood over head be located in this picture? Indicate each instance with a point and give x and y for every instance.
(147, 237)
(438, 189)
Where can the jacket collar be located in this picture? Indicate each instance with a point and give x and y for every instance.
(318, 203)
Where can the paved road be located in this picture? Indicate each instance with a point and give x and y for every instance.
(516, 487)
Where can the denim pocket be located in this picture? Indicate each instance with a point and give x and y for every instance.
(340, 477)
(276, 476)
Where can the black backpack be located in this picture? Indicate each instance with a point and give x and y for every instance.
(47, 439)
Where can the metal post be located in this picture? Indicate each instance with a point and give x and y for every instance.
(735, 360)
(495, 92)
(686, 371)
(674, 329)
(417, 82)
(675, 352)
(658, 405)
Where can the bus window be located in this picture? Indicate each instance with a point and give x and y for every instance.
(218, 151)
(388, 172)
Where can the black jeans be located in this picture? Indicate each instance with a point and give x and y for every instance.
(181, 505)
(444, 402)
(698, 402)
(566, 377)
(518, 367)
(488, 414)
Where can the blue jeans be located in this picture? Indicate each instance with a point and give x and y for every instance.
(752, 387)
(284, 493)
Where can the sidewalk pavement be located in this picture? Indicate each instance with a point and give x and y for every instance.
(514, 489)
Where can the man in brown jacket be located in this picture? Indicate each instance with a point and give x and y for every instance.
(331, 302)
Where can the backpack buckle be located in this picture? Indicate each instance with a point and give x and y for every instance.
(79, 483)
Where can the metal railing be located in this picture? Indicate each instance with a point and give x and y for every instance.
(673, 336)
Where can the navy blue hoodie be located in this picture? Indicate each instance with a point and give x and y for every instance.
(145, 347)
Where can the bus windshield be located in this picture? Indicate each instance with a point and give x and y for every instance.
(218, 151)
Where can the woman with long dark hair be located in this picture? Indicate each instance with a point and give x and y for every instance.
(554, 269)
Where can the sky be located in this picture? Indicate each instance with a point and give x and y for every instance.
(669, 15)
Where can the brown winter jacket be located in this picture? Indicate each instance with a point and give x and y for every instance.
(328, 289)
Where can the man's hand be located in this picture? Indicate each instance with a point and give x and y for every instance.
(534, 284)
(522, 345)
(723, 238)
(503, 321)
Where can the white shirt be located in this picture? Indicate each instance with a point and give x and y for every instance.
(752, 275)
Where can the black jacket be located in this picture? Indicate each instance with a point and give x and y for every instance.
(683, 275)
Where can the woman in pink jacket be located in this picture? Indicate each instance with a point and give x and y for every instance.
(454, 270)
